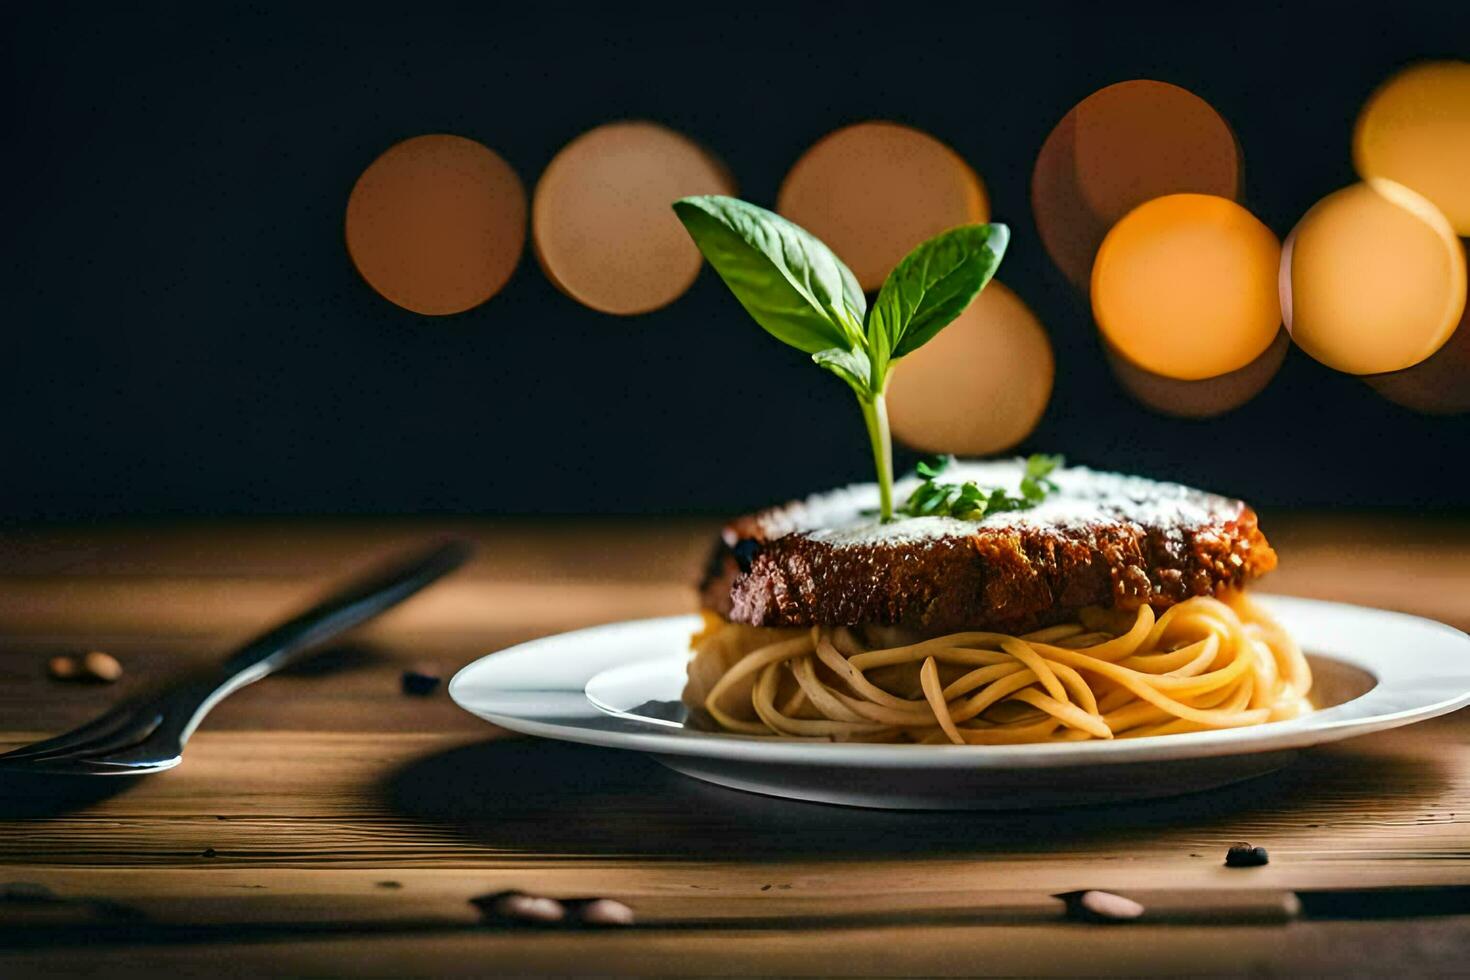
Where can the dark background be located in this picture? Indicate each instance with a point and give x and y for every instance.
(184, 333)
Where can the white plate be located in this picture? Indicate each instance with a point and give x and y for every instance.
(1374, 670)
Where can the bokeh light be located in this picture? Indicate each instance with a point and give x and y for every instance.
(1437, 386)
(1372, 279)
(1121, 146)
(978, 387)
(1184, 286)
(1415, 130)
(874, 190)
(602, 224)
(437, 224)
(1201, 399)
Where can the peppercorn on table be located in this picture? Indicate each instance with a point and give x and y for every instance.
(343, 818)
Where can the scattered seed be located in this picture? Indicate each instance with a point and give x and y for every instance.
(63, 668)
(599, 912)
(390, 884)
(94, 666)
(1242, 855)
(99, 666)
(520, 908)
(1095, 906)
(420, 681)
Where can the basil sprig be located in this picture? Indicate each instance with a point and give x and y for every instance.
(803, 295)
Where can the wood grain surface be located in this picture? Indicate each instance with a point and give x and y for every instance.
(325, 823)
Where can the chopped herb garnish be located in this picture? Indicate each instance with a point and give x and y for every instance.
(969, 501)
(803, 295)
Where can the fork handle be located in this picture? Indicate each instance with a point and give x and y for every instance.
(350, 606)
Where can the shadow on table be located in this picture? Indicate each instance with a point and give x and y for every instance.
(555, 798)
(28, 797)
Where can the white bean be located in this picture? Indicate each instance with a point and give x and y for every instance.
(1106, 905)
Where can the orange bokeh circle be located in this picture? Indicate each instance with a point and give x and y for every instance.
(1415, 130)
(1372, 279)
(1201, 399)
(874, 190)
(437, 223)
(1439, 385)
(602, 224)
(1121, 146)
(978, 387)
(1184, 286)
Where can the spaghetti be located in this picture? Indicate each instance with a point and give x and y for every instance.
(1204, 663)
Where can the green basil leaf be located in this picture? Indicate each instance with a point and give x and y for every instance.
(935, 499)
(849, 365)
(1035, 485)
(1040, 465)
(787, 280)
(1000, 500)
(929, 288)
(931, 466)
(923, 496)
(969, 504)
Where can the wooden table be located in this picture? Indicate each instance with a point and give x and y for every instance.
(325, 823)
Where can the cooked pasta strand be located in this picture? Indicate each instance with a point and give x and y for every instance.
(929, 677)
(1201, 664)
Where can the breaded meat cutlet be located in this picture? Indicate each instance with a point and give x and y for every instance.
(1101, 539)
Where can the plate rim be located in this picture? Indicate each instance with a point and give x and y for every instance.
(1318, 728)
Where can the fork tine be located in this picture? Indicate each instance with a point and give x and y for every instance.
(131, 758)
(99, 727)
(27, 768)
(140, 725)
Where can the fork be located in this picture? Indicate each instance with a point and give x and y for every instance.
(147, 734)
